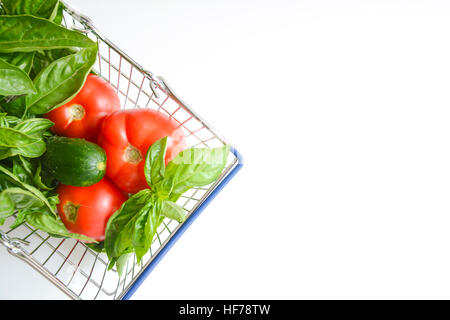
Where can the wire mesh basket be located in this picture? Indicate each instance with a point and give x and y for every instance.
(74, 268)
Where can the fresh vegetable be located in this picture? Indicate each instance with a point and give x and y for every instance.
(82, 117)
(14, 81)
(126, 135)
(65, 185)
(132, 228)
(38, 8)
(25, 33)
(25, 138)
(55, 82)
(60, 81)
(86, 210)
(75, 162)
(20, 194)
(23, 60)
(42, 66)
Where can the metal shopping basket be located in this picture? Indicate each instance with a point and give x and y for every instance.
(74, 268)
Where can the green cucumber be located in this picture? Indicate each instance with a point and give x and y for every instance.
(75, 162)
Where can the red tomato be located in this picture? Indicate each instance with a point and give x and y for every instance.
(82, 117)
(126, 136)
(86, 210)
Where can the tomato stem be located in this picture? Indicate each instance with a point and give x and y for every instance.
(132, 155)
(71, 211)
(77, 112)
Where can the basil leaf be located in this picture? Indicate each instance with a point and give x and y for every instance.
(27, 34)
(25, 164)
(22, 60)
(15, 107)
(193, 167)
(33, 150)
(6, 206)
(29, 188)
(120, 227)
(34, 127)
(14, 81)
(21, 172)
(37, 179)
(57, 13)
(52, 224)
(173, 211)
(14, 142)
(140, 240)
(30, 173)
(40, 62)
(155, 162)
(44, 58)
(6, 182)
(22, 199)
(53, 200)
(39, 8)
(8, 121)
(134, 225)
(60, 81)
(3, 121)
(55, 54)
(121, 263)
(20, 218)
(145, 229)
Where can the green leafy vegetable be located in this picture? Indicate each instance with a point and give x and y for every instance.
(14, 81)
(38, 179)
(120, 227)
(43, 58)
(34, 127)
(57, 13)
(24, 139)
(133, 226)
(22, 60)
(34, 208)
(8, 121)
(25, 33)
(26, 187)
(121, 263)
(193, 168)
(6, 207)
(20, 218)
(22, 169)
(173, 211)
(60, 81)
(23, 199)
(145, 226)
(155, 162)
(52, 224)
(15, 107)
(33, 45)
(14, 142)
(39, 8)
(6, 182)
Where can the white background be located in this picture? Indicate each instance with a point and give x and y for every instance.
(341, 110)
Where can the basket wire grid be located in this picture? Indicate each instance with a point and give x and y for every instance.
(74, 268)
